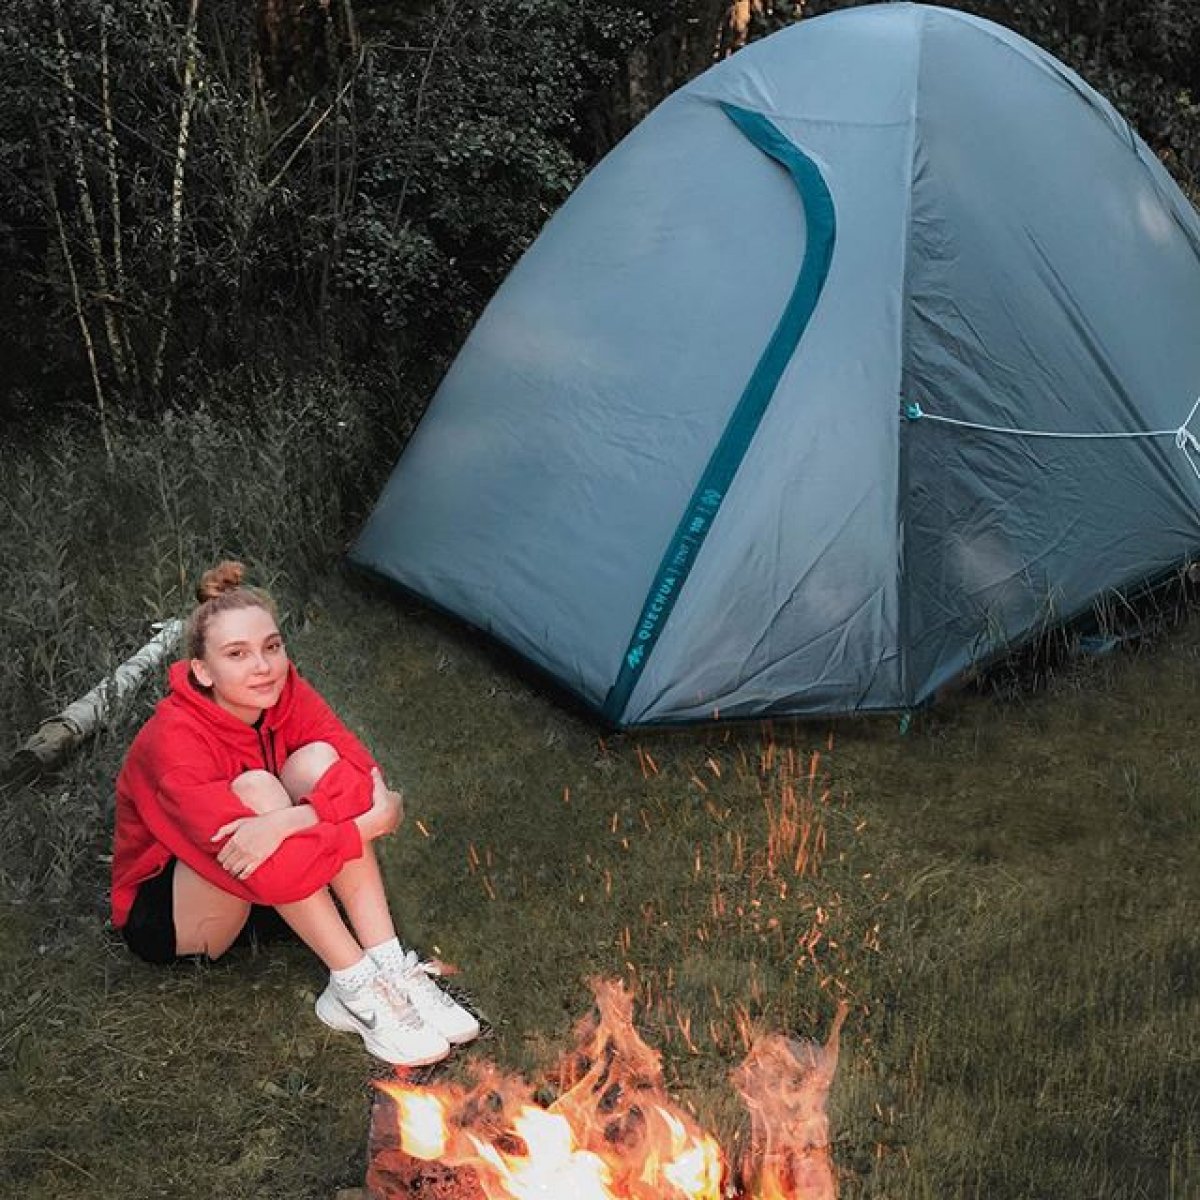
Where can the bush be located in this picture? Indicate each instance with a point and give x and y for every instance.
(307, 185)
(94, 549)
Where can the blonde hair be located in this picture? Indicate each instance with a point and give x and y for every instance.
(221, 590)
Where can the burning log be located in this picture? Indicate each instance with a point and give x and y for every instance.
(614, 1098)
(395, 1175)
(612, 1134)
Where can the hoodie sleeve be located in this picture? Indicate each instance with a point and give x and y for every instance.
(345, 790)
(188, 810)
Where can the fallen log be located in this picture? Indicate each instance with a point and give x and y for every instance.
(59, 735)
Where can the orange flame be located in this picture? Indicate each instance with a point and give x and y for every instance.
(614, 1133)
(785, 1084)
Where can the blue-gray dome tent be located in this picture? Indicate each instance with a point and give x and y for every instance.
(866, 354)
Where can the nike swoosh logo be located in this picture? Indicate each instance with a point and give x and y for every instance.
(369, 1022)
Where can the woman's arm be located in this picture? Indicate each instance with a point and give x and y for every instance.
(247, 842)
(185, 811)
(250, 841)
(386, 811)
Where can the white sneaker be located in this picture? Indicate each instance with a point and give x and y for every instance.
(390, 1026)
(436, 1008)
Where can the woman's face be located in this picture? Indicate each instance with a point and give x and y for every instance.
(244, 662)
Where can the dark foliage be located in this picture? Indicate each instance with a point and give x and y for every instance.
(349, 182)
(193, 186)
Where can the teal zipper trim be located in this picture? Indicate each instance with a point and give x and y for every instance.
(698, 517)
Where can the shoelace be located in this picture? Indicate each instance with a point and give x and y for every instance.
(418, 975)
(399, 1005)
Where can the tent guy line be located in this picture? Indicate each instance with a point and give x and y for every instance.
(1185, 439)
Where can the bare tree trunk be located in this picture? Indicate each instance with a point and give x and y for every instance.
(86, 207)
(114, 184)
(679, 51)
(187, 100)
(85, 331)
(352, 39)
(736, 25)
(734, 30)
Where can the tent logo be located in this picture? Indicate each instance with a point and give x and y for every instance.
(693, 529)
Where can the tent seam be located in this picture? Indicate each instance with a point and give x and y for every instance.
(709, 493)
(901, 436)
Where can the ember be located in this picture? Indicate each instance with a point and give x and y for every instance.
(613, 1133)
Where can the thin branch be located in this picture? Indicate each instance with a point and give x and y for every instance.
(86, 208)
(114, 182)
(77, 301)
(291, 158)
(418, 111)
(345, 180)
(287, 133)
(181, 150)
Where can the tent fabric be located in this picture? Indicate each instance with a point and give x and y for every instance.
(973, 233)
(706, 499)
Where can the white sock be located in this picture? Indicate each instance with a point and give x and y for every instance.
(388, 955)
(355, 978)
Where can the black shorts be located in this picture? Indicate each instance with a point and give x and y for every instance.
(150, 929)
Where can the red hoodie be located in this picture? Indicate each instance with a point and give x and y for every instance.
(173, 793)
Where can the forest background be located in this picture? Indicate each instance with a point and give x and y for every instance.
(240, 244)
(204, 197)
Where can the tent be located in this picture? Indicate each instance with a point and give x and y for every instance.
(867, 354)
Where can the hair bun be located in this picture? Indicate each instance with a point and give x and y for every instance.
(224, 577)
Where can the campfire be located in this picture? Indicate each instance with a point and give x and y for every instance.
(612, 1132)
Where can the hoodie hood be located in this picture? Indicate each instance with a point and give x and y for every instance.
(188, 699)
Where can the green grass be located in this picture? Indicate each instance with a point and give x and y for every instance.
(1007, 896)
(1027, 1025)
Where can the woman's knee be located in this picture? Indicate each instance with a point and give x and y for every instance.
(261, 791)
(305, 765)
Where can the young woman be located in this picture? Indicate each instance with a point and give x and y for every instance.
(244, 789)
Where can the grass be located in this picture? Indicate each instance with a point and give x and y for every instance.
(1007, 896)
(1027, 864)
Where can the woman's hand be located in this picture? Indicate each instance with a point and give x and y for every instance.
(386, 811)
(252, 840)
